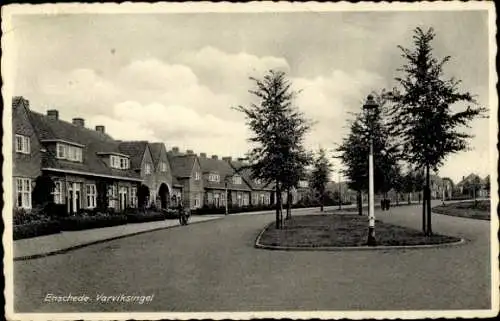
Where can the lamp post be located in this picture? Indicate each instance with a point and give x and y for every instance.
(370, 107)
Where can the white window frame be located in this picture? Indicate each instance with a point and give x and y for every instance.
(214, 177)
(23, 144)
(91, 191)
(58, 199)
(112, 195)
(147, 169)
(197, 176)
(237, 180)
(23, 189)
(133, 197)
(197, 201)
(163, 166)
(68, 152)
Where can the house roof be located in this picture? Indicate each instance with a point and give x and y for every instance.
(136, 150)
(225, 171)
(93, 142)
(155, 149)
(181, 164)
(246, 174)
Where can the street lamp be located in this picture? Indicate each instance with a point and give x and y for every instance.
(370, 107)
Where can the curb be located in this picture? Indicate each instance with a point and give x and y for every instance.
(259, 245)
(79, 246)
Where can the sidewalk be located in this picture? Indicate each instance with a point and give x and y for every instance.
(62, 242)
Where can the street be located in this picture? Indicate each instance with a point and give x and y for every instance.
(213, 266)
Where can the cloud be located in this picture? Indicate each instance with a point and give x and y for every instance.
(227, 71)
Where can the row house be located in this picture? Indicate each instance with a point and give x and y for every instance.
(186, 170)
(473, 183)
(222, 183)
(261, 194)
(83, 164)
(158, 186)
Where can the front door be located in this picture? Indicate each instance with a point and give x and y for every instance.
(123, 198)
(74, 197)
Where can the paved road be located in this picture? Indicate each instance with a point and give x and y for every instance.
(213, 266)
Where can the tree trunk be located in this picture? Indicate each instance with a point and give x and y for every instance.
(278, 200)
(359, 201)
(288, 204)
(321, 201)
(429, 220)
(409, 198)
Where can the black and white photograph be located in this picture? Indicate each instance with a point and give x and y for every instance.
(250, 160)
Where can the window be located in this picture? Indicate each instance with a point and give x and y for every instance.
(22, 144)
(163, 166)
(112, 195)
(304, 184)
(197, 201)
(58, 192)
(23, 193)
(262, 199)
(91, 196)
(197, 176)
(124, 163)
(147, 169)
(133, 198)
(236, 180)
(213, 177)
(68, 152)
(119, 162)
(246, 199)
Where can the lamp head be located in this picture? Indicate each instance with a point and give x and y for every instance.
(370, 103)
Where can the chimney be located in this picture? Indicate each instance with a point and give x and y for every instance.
(241, 159)
(100, 129)
(189, 152)
(215, 157)
(53, 114)
(175, 149)
(203, 155)
(227, 159)
(80, 122)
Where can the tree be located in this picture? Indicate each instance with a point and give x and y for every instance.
(355, 147)
(422, 118)
(319, 176)
(43, 191)
(277, 156)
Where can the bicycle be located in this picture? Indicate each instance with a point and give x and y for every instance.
(184, 217)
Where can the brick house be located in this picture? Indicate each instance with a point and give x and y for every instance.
(219, 177)
(261, 193)
(151, 162)
(186, 171)
(85, 166)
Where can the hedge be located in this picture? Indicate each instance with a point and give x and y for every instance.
(33, 229)
(145, 217)
(77, 223)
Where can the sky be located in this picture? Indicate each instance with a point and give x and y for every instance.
(174, 78)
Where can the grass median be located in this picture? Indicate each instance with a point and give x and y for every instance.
(479, 210)
(343, 230)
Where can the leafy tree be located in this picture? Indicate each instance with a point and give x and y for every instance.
(277, 156)
(319, 176)
(422, 116)
(355, 148)
(43, 191)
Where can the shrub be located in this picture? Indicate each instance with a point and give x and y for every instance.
(56, 211)
(145, 217)
(76, 223)
(34, 229)
(22, 216)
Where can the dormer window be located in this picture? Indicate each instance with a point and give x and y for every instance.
(68, 152)
(214, 177)
(119, 162)
(237, 180)
(163, 167)
(23, 144)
